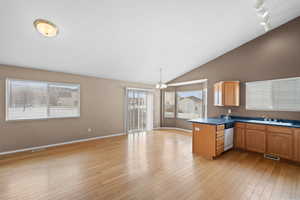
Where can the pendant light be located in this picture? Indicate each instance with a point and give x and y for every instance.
(263, 14)
(160, 84)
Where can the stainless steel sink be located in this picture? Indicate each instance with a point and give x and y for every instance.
(271, 122)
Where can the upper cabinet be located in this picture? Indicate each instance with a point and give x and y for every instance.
(227, 93)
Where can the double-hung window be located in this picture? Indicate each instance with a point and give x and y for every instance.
(41, 100)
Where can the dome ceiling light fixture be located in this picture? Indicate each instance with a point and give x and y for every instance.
(160, 85)
(45, 27)
(263, 14)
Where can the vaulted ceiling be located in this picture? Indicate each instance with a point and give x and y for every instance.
(131, 39)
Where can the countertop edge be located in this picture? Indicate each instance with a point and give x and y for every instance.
(243, 121)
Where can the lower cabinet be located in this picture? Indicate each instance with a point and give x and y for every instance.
(239, 138)
(208, 140)
(280, 144)
(297, 145)
(276, 140)
(256, 141)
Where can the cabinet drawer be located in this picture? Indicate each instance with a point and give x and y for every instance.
(240, 125)
(256, 127)
(220, 127)
(220, 141)
(278, 129)
(220, 134)
(220, 149)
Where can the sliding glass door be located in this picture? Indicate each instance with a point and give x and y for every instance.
(139, 110)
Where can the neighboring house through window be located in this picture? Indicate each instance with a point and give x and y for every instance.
(185, 102)
(190, 104)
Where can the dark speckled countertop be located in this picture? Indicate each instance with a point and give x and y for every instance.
(212, 121)
(222, 120)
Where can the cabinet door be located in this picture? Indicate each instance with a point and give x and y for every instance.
(231, 93)
(204, 140)
(280, 144)
(196, 138)
(239, 138)
(297, 144)
(256, 141)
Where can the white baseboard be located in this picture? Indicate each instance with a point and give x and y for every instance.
(59, 144)
(174, 128)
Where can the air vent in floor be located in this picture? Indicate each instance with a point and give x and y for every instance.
(272, 157)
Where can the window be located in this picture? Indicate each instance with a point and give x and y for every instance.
(41, 100)
(190, 104)
(274, 95)
(169, 105)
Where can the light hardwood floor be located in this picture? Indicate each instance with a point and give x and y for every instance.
(156, 165)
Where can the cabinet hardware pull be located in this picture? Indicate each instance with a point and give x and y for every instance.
(197, 129)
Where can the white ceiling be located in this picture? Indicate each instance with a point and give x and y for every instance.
(131, 39)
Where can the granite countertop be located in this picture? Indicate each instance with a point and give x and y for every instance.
(222, 120)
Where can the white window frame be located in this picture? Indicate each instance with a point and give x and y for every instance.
(164, 98)
(7, 93)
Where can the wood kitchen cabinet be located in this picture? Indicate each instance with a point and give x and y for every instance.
(297, 144)
(208, 140)
(284, 142)
(239, 137)
(256, 140)
(227, 93)
(280, 141)
(280, 145)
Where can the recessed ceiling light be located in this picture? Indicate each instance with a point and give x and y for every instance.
(45, 27)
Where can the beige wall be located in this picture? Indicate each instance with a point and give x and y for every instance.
(271, 56)
(102, 109)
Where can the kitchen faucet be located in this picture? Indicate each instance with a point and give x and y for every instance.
(227, 117)
(265, 117)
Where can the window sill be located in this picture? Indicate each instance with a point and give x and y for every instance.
(39, 119)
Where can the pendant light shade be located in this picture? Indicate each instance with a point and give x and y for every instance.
(160, 84)
(263, 14)
(258, 4)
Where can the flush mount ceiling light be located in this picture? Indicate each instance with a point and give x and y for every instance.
(45, 27)
(160, 84)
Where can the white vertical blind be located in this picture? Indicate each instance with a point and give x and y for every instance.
(139, 110)
(277, 95)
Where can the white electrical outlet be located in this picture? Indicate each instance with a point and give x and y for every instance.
(89, 130)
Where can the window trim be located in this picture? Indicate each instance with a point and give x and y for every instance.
(164, 98)
(7, 92)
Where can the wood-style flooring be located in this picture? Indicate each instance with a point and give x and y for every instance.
(154, 165)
